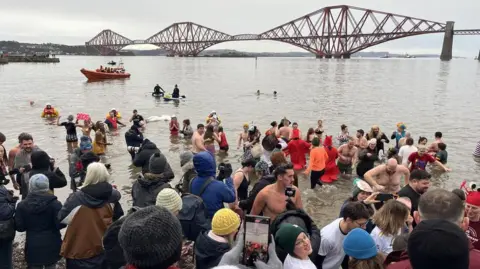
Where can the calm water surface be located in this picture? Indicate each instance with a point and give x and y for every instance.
(428, 95)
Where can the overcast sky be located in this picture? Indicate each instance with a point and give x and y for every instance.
(75, 22)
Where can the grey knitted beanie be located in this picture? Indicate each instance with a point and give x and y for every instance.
(151, 237)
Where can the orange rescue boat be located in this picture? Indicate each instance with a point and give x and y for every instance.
(98, 74)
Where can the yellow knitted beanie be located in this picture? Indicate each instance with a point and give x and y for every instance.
(225, 222)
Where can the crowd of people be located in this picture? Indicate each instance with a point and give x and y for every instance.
(392, 220)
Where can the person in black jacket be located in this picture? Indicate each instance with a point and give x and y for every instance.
(302, 219)
(147, 187)
(7, 224)
(37, 215)
(43, 164)
(113, 251)
(263, 172)
(142, 158)
(134, 139)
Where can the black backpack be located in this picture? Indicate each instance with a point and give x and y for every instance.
(7, 230)
(193, 215)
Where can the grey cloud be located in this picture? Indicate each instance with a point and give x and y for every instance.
(77, 21)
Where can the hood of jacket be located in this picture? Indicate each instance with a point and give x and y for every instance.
(147, 144)
(40, 160)
(188, 166)
(270, 179)
(298, 217)
(149, 180)
(96, 195)
(204, 163)
(38, 202)
(208, 250)
(4, 195)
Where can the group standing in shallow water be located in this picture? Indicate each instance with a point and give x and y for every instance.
(276, 158)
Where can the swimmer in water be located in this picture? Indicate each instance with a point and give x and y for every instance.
(274, 93)
(258, 92)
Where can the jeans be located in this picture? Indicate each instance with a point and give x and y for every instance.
(51, 266)
(6, 251)
(315, 178)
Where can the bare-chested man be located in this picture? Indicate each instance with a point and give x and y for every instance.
(197, 139)
(347, 157)
(386, 177)
(243, 136)
(360, 141)
(271, 201)
(286, 131)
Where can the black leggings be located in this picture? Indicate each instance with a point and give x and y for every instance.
(315, 178)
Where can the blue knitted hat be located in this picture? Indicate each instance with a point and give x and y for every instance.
(359, 245)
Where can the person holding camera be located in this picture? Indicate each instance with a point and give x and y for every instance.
(7, 223)
(43, 164)
(272, 200)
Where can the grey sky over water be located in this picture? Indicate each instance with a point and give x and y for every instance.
(74, 22)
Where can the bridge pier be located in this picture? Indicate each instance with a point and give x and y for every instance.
(478, 58)
(447, 42)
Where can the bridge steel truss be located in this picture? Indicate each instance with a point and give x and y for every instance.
(335, 31)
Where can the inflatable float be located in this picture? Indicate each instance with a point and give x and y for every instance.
(50, 113)
(119, 116)
(169, 97)
(159, 118)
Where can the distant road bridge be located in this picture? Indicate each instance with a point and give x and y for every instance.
(335, 31)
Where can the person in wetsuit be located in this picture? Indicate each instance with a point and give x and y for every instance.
(157, 90)
(176, 92)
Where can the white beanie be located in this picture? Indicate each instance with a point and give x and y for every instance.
(170, 199)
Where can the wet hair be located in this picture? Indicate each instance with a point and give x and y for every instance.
(391, 217)
(343, 127)
(372, 263)
(441, 204)
(309, 132)
(273, 123)
(442, 146)
(135, 111)
(438, 134)
(249, 163)
(355, 211)
(2, 138)
(362, 132)
(220, 128)
(186, 121)
(200, 126)
(209, 132)
(409, 141)
(295, 123)
(282, 169)
(24, 137)
(422, 138)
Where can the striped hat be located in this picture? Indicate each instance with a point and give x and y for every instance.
(476, 152)
(169, 199)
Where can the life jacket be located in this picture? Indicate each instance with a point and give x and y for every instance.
(113, 122)
(49, 111)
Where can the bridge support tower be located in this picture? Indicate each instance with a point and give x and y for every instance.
(447, 42)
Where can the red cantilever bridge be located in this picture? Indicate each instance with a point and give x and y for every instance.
(335, 31)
